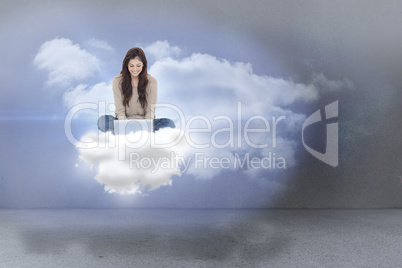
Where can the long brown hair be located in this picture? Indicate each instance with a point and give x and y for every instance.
(126, 87)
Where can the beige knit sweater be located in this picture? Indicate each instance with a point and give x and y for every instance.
(134, 110)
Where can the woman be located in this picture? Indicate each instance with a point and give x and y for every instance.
(135, 93)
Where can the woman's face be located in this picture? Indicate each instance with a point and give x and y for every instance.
(135, 67)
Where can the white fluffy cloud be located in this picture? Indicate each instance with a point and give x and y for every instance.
(126, 169)
(161, 49)
(65, 62)
(203, 84)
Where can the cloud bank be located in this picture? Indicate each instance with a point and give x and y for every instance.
(220, 98)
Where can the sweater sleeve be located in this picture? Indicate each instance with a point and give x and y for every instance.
(152, 98)
(120, 111)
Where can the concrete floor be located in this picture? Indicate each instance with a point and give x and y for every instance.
(200, 238)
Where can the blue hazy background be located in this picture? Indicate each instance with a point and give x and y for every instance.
(274, 56)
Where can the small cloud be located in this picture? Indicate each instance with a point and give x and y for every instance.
(96, 43)
(101, 92)
(162, 49)
(326, 85)
(65, 62)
